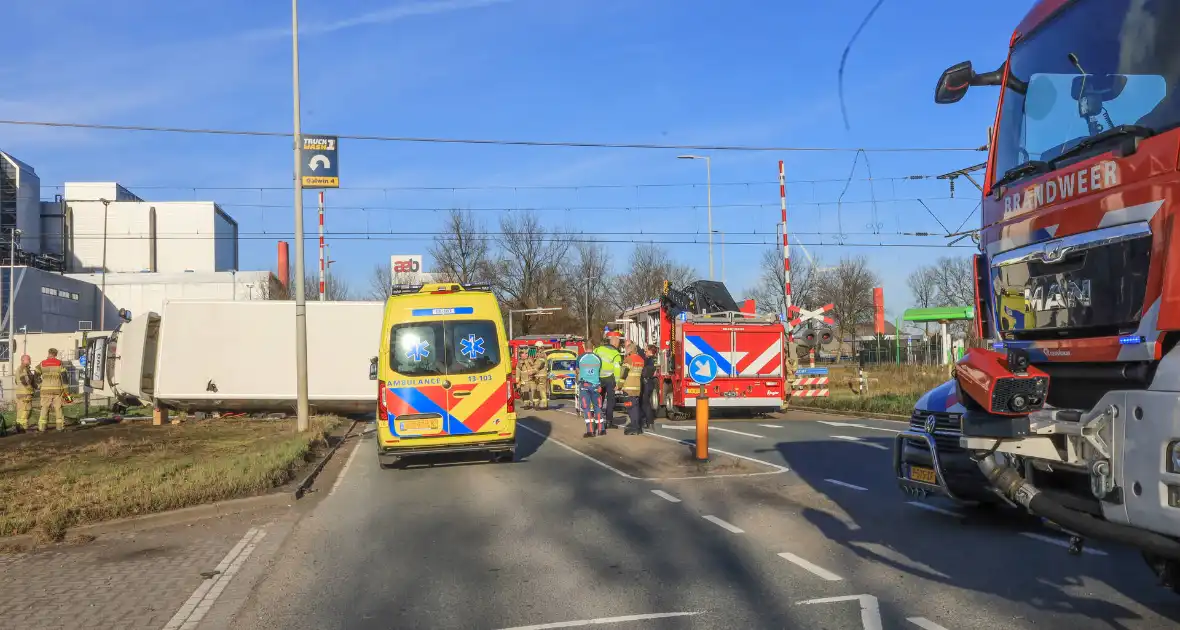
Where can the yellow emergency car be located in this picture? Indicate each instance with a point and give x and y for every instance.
(563, 368)
(443, 367)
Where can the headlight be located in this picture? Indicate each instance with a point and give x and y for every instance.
(1173, 455)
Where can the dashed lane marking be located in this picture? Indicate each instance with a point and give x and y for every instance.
(844, 484)
(1061, 543)
(202, 599)
(924, 623)
(859, 426)
(604, 620)
(856, 440)
(664, 495)
(933, 508)
(817, 570)
(771, 426)
(724, 525)
(870, 608)
(753, 435)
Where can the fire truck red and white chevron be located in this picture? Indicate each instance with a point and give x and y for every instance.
(753, 355)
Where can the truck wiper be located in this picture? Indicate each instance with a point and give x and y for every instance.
(1028, 168)
(1121, 131)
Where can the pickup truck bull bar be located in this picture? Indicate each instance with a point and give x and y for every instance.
(920, 488)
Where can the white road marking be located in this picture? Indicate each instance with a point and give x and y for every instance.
(202, 599)
(779, 469)
(664, 495)
(819, 571)
(344, 471)
(1061, 543)
(604, 620)
(771, 426)
(576, 451)
(933, 508)
(857, 440)
(859, 426)
(753, 435)
(723, 525)
(924, 623)
(870, 609)
(844, 484)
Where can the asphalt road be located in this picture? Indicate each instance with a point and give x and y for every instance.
(558, 540)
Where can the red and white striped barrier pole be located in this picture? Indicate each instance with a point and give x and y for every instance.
(323, 274)
(782, 193)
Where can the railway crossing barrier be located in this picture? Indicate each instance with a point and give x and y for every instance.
(810, 383)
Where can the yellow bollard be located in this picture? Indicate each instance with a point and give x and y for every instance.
(702, 447)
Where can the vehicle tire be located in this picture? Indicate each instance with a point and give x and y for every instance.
(668, 407)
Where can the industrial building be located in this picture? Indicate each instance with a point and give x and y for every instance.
(97, 247)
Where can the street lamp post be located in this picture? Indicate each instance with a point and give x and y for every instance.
(13, 236)
(529, 310)
(722, 254)
(301, 408)
(709, 196)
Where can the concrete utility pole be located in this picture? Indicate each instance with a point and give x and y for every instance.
(301, 409)
(102, 300)
(709, 194)
(323, 268)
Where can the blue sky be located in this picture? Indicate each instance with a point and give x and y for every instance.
(659, 71)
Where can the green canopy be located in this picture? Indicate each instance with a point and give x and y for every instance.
(940, 314)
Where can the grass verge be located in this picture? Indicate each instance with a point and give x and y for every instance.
(60, 480)
(896, 404)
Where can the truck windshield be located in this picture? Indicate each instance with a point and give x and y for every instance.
(444, 348)
(1131, 62)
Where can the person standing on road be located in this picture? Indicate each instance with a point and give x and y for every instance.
(648, 387)
(53, 386)
(541, 376)
(589, 379)
(633, 385)
(612, 364)
(526, 375)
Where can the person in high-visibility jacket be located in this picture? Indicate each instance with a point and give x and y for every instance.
(26, 386)
(612, 364)
(53, 388)
(632, 384)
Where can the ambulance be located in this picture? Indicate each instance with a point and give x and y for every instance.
(443, 373)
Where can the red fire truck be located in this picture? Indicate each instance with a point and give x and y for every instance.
(1079, 229)
(703, 318)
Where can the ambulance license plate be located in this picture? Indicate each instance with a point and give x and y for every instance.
(420, 424)
(925, 475)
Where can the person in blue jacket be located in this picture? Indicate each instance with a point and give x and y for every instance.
(589, 382)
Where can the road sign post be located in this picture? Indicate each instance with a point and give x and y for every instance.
(703, 369)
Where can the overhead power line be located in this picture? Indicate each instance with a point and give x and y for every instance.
(676, 207)
(790, 182)
(474, 141)
(368, 236)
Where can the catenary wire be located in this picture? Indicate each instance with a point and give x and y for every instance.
(501, 142)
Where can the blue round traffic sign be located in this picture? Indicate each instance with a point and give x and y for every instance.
(682, 316)
(703, 369)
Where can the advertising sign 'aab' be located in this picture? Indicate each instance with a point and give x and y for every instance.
(405, 263)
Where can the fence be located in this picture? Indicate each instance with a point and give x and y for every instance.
(885, 350)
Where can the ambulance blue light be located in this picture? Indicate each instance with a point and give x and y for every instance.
(1131, 340)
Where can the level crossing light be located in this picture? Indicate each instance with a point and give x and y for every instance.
(539, 311)
(709, 194)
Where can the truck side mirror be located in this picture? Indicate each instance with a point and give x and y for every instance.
(952, 85)
(373, 369)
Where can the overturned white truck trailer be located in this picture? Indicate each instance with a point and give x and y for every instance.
(212, 355)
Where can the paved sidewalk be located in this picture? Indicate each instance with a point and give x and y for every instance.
(131, 581)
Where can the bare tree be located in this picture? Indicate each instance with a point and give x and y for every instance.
(768, 292)
(338, 289)
(462, 252)
(527, 273)
(924, 289)
(849, 288)
(649, 266)
(588, 283)
(954, 281)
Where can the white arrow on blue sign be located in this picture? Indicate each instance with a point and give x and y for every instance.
(703, 369)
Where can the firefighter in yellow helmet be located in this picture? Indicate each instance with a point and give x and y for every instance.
(531, 371)
(53, 388)
(541, 375)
